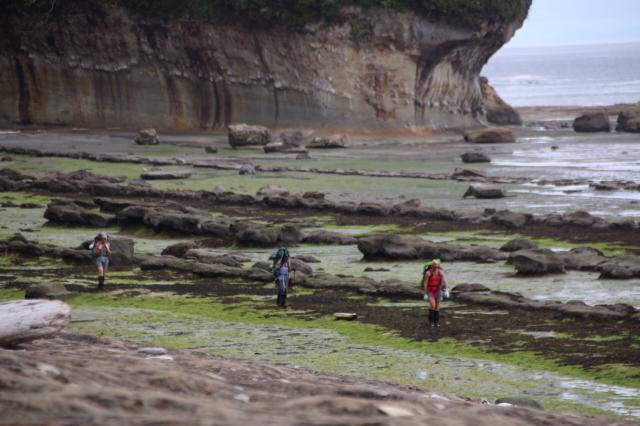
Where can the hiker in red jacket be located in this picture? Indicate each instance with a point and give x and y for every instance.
(435, 286)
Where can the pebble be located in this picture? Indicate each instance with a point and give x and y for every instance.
(161, 357)
(152, 351)
(394, 410)
(242, 397)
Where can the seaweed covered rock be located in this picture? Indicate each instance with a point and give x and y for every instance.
(241, 135)
(536, 262)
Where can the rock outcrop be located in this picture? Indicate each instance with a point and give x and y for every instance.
(592, 122)
(490, 135)
(97, 64)
(498, 111)
(628, 121)
(26, 320)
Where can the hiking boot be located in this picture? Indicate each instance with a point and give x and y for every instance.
(100, 283)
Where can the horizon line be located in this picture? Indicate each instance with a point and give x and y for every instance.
(569, 44)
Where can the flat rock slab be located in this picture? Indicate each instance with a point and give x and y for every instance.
(159, 175)
(26, 320)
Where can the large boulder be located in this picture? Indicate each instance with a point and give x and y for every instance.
(26, 320)
(49, 291)
(247, 169)
(536, 262)
(485, 191)
(331, 142)
(628, 121)
(173, 222)
(294, 138)
(147, 137)
(70, 213)
(592, 122)
(509, 219)
(122, 250)
(244, 135)
(582, 259)
(518, 244)
(490, 135)
(179, 249)
(498, 111)
(622, 267)
(475, 157)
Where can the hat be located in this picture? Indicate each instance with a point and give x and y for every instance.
(436, 261)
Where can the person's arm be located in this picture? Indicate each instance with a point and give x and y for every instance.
(96, 249)
(444, 280)
(108, 246)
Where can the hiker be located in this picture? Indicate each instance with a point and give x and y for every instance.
(101, 250)
(434, 280)
(281, 269)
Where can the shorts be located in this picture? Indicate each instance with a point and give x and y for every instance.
(434, 294)
(102, 261)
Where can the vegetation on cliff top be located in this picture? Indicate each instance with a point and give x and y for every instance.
(295, 14)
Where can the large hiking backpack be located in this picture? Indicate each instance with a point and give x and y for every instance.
(282, 252)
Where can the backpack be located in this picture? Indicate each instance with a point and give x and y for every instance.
(282, 252)
(93, 243)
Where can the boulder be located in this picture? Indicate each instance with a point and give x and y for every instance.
(475, 157)
(592, 122)
(313, 195)
(468, 174)
(469, 288)
(628, 121)
(509, 219)
(179, 249)
(70, 213)
(211, 149)
(331, 142)
(281, 147)
(254, 235)
(536, 262)
(162, 175)
(272, 191)
(498, 111)
(520, 402)
(301, 266)
(518, 244)
(122, 250)
(244, 135)
(26, 320)
(147, 137)
(204, 256)
(216, 227)
(172, 221)
(490, 135)
(485, 191)
(247, 169)
(294, 138)
(582, 259)
(622, 267)
(49, 291)
(307, 258)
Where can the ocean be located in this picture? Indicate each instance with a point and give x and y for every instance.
(578, 75)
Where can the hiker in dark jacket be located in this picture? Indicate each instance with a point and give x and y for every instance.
(281, 269)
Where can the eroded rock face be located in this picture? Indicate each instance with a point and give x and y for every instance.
(131, 72)
(592, 122)
(498, 111)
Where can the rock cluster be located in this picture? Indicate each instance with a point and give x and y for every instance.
(147, 137)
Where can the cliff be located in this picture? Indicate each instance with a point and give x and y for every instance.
(102, 65)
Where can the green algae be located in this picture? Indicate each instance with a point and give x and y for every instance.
(11, 294)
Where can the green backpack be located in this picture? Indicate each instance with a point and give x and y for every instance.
(282, 252)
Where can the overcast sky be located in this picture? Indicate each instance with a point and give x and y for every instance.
(579, 22)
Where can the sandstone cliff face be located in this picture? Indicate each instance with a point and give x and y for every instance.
(113, 69)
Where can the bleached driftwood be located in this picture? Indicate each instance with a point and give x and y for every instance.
(26, 320)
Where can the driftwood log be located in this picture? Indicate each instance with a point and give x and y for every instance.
(25, 320)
